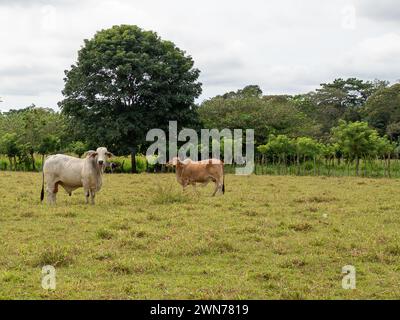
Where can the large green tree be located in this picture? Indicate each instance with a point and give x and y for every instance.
(125, 82)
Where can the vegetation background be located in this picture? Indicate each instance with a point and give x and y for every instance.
(127, 81)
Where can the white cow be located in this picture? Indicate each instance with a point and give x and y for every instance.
(72, 173)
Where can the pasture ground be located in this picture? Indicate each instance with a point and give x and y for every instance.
(269, 237)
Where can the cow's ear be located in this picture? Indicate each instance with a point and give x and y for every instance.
(109, 154)
(91, 154)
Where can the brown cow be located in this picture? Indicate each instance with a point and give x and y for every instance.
(190, 172)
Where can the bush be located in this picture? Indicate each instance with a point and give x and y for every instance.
(167, 195)
(141, 163)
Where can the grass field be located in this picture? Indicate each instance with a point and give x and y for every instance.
(267, 238)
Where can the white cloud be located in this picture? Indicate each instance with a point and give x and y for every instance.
(381, 10)
(285, 46)
(373, 57)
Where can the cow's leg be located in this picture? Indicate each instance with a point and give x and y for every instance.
(195, 188)
(67, 189)
(221, 187)
(51, 197)
(87, 194)
(218, 186)
(184, 185)
(92, 195)
(52, 189)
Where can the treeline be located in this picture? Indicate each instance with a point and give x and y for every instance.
(313, 114)
(31, 132)
(351, 144)
(27, 135)
(345, 127)
(290, 131)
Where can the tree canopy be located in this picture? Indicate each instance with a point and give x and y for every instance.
(340, 99)
(382, 111)
(265, 114)
(127, 81)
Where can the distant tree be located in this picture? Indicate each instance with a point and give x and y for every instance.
(10, 147)
(307, 147)
(246, 92)
(329, 150)
(339, 100)
(347, 93)
(356, 139)
(384, 147)
(382, 111)
(266, 115)
(125, 82)
(30, 125)
(78, 147)
(48, 145)
(250, 91)
(280, 147)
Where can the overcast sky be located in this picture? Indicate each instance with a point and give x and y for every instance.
(285, 46)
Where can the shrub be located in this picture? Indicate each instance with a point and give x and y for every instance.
(55, 256)
(104, 234)
(166, 195)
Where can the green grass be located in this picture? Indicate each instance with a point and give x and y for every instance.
(268, 237)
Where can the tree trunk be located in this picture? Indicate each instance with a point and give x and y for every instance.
(357, 165)
(365, 166)
(133, 160)
(315, 166)
(266, 164)
(33, 162)
(262, 164)
(284, 164)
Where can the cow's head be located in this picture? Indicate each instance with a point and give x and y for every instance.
(172, 162)
(175, 161)
(101, 155)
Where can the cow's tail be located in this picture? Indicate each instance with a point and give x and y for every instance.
(223, 179)
(42, 192)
